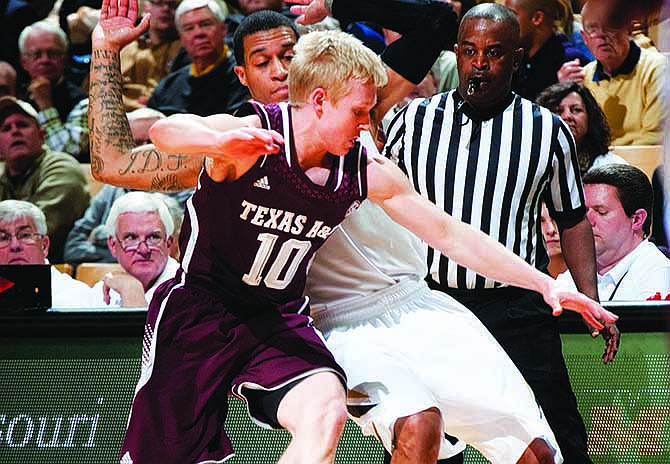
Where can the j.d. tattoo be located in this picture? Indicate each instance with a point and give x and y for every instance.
(146, 160)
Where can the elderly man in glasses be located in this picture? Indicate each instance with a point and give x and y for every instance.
(627, 81)
(24, 240)
(61, 104)
(140, 234)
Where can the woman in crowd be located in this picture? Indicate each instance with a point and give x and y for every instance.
(575, 104)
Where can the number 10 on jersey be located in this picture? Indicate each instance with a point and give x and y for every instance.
(292, 249)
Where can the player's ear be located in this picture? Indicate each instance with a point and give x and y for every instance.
(317, 99)
(241, 75)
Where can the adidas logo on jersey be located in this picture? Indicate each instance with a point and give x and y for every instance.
(126, 459)
(262, 183)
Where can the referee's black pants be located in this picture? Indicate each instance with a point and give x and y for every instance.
(523, 325)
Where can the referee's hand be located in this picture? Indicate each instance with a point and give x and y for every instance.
(612, 338)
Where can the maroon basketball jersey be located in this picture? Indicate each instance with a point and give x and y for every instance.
(250, 241)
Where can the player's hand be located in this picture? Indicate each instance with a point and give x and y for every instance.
(590, 310)
(310, 11)
(117, 24)
(598, 319)
(560, 298)
(571, 71)
(249, 141)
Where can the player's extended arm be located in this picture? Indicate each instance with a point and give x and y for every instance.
(232, 144)
(114, 157)
(468, 246)
(426, 28)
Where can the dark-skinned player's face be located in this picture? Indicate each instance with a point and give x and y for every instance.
(267, 55)
(487, 52)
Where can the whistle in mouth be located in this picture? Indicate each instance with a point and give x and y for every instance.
(472, 87)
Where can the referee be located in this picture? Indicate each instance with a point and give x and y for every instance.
(489, 157)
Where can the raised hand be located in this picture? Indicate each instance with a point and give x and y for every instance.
(310, 11)
(116, 27)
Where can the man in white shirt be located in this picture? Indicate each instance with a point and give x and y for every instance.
(140, 235)
(619, 199)
(24, 240)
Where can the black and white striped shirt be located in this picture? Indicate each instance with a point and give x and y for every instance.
(491, 171)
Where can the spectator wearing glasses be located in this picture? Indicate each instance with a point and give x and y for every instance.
(140, 234)
(627, 82)
(24, 240)
(62, 105)
(87, 241)
(209, 85)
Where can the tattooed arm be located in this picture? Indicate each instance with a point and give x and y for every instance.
(114, 157)
(231, 144)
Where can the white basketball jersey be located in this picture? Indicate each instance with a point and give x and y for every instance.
(365, 253)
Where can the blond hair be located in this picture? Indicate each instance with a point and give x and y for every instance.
(330, 60)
